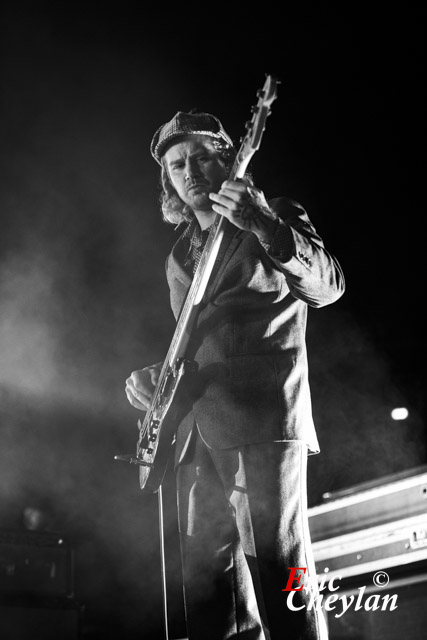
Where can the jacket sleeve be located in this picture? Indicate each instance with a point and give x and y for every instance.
(312, 273)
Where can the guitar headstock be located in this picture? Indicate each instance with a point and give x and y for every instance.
(256, 126)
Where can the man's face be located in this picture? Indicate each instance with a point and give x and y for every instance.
(195, 170)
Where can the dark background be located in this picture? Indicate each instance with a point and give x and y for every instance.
(82, 247)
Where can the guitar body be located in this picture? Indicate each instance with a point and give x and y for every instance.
(161, 422)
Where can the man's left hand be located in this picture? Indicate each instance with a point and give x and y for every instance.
(246, 207)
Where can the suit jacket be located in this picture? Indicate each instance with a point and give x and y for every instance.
(249, 342)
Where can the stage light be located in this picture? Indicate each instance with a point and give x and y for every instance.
(400, 413)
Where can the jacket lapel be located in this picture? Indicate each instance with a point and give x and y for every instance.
(176, 262)
(230, 242)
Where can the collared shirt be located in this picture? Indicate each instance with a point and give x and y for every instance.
(197, 240)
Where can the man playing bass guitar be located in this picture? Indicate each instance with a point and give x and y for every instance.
(241, 450)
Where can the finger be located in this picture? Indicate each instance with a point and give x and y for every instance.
(233, 202)
(222, 209)
(134, 402)
(141, 381)
(140, 396)
(236, 193)
(220, 200)
(235, 185)
(154, 375)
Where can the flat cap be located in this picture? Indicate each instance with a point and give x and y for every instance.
(184, 124)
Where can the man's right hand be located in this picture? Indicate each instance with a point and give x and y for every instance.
(141, 384)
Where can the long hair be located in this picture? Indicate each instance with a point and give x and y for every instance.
(174, 210)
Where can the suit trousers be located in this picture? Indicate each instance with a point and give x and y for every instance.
(243, 523)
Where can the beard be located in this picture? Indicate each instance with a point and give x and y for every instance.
(198, 198)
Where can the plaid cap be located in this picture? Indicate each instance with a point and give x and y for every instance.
(184, 124)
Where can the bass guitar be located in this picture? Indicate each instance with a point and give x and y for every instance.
(157, 430)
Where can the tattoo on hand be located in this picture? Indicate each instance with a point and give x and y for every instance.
(252, 217)
(255, 213)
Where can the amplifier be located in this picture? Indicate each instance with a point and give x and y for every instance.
(394, 497)
(370, 551)
(394, 544)
(35, 564)
(372, 526)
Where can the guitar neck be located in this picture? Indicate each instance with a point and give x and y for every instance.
(250, 144)
(197, 290)
(204, 270)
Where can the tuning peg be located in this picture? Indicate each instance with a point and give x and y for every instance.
(260, 93)
(254, 109)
